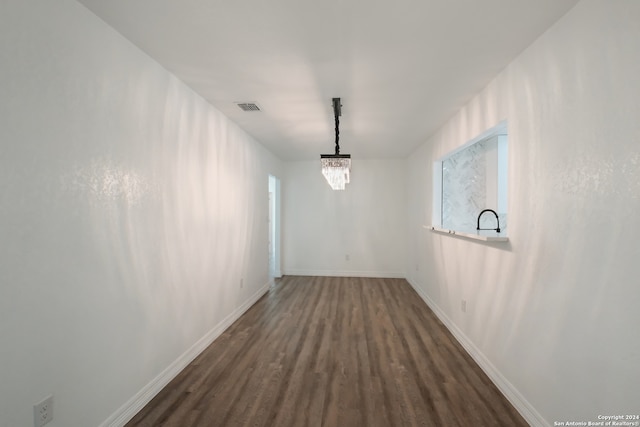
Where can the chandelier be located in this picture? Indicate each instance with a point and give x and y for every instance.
(336, 167)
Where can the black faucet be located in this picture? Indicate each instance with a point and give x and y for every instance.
(497, 219)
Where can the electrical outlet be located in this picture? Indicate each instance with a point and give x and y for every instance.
(241, 283)
(347, 257)
(43, 412)
(463, 306)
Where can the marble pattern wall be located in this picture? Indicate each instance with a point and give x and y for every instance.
(469, 185)
(464, 187)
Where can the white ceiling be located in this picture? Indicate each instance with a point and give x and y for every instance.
(401, 67)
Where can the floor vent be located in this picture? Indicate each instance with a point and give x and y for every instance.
(248, 106)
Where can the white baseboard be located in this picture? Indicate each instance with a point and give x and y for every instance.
(144, 396)
(341, 273)
(521, 404)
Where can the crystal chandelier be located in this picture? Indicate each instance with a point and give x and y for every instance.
(336, 167)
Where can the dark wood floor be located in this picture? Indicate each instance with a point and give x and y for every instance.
(321, 351)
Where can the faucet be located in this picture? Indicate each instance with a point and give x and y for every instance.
(497, 220)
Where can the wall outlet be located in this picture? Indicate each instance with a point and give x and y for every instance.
(347, 257)
(43, 412)
(241, 283)
(463, 306)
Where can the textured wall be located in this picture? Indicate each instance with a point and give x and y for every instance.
(555, 310)
(130, 210)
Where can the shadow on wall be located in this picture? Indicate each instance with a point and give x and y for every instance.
(175, 239)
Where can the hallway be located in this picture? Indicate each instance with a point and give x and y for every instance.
(323, 351)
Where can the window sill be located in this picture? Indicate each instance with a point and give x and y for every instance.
(483, 235)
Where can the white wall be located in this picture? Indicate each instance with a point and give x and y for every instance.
(365, 221)
(555, 311)
(130, 210)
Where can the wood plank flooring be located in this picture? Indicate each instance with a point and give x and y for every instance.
(326, 351)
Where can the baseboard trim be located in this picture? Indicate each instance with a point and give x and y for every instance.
(512, 394)
(342, 273)
(127, 411)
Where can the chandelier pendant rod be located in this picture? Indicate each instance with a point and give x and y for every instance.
(337, 113)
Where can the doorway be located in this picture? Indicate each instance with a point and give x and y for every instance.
(274, 227)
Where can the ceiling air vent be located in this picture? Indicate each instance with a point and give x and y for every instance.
(248, 106)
